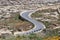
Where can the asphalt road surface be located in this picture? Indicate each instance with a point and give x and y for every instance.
(38, 26)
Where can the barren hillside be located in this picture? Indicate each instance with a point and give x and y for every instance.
(24, 2)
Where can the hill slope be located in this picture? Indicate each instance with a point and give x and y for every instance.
(20, 2)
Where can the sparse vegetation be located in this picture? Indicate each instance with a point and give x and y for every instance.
(25, 37)
(15, 23)
(50, 22)
(49, 17)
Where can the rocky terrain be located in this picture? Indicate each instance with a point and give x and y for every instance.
(11, 22)
(24, 2)
(49, 17)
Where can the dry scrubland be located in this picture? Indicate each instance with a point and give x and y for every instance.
(10, 20)
(49, 17)
(14, 22)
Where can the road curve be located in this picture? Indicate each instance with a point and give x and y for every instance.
(38, 26)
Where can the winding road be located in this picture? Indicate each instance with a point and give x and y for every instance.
(38, 26)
